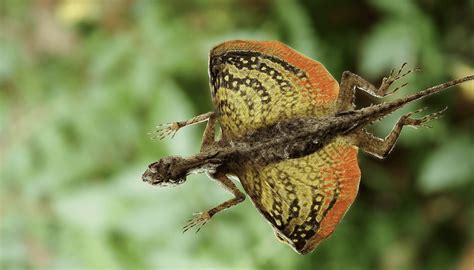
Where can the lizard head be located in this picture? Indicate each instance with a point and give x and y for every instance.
(165, 172)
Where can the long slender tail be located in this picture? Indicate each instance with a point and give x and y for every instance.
(379, 111)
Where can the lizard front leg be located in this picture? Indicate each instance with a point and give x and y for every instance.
(351, 81)
(208, 138)
(204, 217)
(168, 129)
(379, 147)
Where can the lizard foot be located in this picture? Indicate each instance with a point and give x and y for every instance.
(392, 77)
(406, 119)
(164, 130)
(198, 221)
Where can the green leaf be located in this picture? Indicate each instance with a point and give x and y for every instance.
(450, 166)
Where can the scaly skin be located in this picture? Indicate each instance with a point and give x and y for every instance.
(290, 134)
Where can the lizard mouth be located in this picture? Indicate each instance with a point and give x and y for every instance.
(151, 177)
(154, 178)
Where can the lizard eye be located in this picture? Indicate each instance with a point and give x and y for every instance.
(152, 167)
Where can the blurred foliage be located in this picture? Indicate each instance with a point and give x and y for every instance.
(82, 82)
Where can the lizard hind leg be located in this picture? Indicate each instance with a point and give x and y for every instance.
(393, 77)
(351, 81)
(379, 147)
(407, 120)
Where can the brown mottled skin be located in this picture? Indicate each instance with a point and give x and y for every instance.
(260, 153)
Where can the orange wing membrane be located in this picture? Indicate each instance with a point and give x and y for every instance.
(256, 84)
(305, 198)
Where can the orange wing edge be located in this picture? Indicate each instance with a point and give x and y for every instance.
(349, 187)
(319, 76)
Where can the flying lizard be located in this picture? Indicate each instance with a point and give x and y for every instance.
(290, 133)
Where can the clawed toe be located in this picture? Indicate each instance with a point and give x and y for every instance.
(198, 221)
(396, 89)
(421, 122)
(164, 130)
(394, 76)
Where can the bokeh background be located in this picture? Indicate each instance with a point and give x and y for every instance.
(82, 82)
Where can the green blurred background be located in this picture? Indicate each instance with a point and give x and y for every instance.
(82, 82)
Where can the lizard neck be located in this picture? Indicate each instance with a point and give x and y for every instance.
(206, 161)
